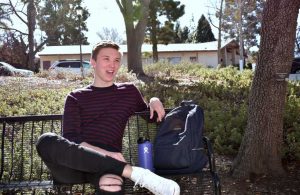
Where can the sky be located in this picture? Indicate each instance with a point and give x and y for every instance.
(106, 13)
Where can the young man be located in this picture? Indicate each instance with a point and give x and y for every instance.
(93, 125)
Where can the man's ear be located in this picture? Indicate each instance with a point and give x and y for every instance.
(93, 62)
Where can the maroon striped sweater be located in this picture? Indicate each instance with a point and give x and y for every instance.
(98, 116)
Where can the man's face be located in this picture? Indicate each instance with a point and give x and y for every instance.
(106, 66)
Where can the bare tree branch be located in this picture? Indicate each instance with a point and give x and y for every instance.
(13, 29)
(17, 12)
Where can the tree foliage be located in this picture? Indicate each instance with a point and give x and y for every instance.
(251, 20)
(13, 50)
(25, 12)
(182, 35)
(203, 32)
(135, 14)
(58, 19)
(4, 15)
(163, 32)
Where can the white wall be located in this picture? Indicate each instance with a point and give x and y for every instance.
(209, 59)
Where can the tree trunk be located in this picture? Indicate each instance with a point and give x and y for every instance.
(135, 33)
(134, 54)
(220, 61)
(240, 30)
(153, 30)
(31, 16)
(154, 42)
(260, 149)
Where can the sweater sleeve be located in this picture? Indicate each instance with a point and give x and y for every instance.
(71, 119)
(141, 105)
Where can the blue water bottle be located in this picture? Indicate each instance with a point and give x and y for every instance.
(145, 153)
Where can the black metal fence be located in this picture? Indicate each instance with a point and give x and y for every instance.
(23, 172)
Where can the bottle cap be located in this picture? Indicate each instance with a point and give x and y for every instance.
(140, 140)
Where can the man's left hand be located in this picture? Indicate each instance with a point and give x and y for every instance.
(156, 106)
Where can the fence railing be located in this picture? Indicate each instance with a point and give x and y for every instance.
(22, 170)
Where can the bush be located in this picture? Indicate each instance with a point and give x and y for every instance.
(223, 94)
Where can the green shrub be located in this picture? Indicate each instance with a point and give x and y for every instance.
(222, 93)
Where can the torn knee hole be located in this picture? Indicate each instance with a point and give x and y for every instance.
(110, 187)
(110, 184)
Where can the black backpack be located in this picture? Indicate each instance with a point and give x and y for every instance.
(178, 146)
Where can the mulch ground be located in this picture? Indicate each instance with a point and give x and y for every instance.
(287, 185)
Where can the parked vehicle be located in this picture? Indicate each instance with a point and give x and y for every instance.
(8, 70)
(70, 66)
(295, 66)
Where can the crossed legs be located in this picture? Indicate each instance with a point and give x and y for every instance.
(71, 163)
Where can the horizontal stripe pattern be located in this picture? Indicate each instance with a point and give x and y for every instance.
(99, 115)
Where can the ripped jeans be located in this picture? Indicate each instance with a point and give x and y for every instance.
(71, 163)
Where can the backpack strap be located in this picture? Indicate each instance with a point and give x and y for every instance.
(187, 103)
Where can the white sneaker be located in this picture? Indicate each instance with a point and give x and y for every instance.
(154, 183)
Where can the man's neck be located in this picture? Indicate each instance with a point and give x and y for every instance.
(102, 84)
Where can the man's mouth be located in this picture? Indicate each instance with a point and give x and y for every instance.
(110, 72)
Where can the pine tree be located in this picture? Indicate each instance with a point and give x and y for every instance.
(182, 35)
(163, 33)
(203, 31)
(251, 21)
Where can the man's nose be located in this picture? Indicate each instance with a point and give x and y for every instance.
(112, 64)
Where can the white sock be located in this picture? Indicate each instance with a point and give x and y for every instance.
(136, 172)
(154, 183)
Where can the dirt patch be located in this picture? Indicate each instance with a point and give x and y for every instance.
(287, 185)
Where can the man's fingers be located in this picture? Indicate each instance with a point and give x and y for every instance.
(151, 113)
(160, 115)
(156, 106)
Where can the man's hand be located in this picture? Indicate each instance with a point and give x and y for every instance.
(116, 155)
(156, 106)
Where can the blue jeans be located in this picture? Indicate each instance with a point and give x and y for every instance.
(71, 163)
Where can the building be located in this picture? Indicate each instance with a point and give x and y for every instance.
(203, 53)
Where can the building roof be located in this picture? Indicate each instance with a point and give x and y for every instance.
(86, 49)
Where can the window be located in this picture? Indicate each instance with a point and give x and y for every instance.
(86, 65)
(74, 64)
(63, 65)
(193, 59)
(46, 65)
(174, 60)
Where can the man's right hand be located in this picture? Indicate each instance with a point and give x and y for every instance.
(116, 155)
